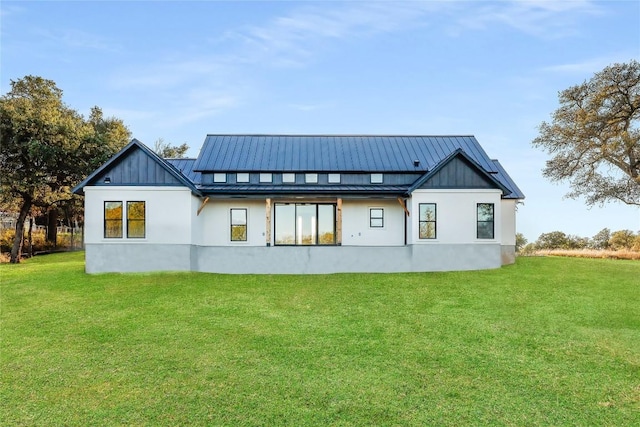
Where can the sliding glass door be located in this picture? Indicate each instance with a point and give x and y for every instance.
(305, 224)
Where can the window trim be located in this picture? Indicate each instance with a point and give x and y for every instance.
(492, 222)
(371, 217)
(434, 221)
(245, 225)
(104, 213)
(143, 220)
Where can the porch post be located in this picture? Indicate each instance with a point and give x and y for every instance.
(339, 222)
(268, 216)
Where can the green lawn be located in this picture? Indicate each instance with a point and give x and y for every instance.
(548, 341)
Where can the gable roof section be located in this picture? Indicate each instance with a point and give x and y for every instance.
(504, 177)
(136, 164)
(185, 167)
(458, 170)
(333, 153)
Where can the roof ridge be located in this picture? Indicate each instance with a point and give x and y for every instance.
(342, 135)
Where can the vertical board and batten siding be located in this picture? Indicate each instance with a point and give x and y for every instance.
(458, 173)
(137, 168)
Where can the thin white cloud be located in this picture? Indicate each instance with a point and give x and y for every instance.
(587, 66)
(77, 39)
(541, 18)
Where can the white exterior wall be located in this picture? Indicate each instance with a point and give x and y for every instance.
(456, 215)
(508, 222)
(168, 213)
(168, 226)
(356, 230)
(179, 239)
(214, 223)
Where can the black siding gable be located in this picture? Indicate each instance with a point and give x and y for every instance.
(137, 168)
(458, 173)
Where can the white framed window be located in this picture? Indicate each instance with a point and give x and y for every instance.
(486, 217)
(242, 177)
(219, 177)
(311, 178)
(334, 178)
(266, 177)
(376, 217)
(427, 220)
(376, 178)
(238, 225)
(289, 178)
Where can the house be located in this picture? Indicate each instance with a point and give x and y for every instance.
(302, 204)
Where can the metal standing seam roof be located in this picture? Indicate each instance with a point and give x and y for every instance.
(333, 153)
(185, 166)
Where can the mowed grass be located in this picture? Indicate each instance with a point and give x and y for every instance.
(548, 341)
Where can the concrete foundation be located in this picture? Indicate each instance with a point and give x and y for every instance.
(101, 258)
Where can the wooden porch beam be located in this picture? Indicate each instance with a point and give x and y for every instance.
(204, 202)
(404, 205)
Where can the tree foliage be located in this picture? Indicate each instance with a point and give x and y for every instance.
(168, 151)
(48, 147)
(594, 137)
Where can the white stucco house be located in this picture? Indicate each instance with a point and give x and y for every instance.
(302, 204)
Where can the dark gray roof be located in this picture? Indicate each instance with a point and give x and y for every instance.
(185, 166)
(333, 153)
(506, 180)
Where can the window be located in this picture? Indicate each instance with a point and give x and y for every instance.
(289, 178)
(485, 221)
(242, 177)
(334, 178)
(266, 177)
(238, 225)
(311, 178)
(376, 178)
(135, 220)
(427, 221)
(112, 220)
(376, 217)
(305, 224)
(219, 177)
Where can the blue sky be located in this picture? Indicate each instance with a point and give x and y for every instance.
(180, 70)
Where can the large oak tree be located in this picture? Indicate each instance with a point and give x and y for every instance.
(47, 147)
(594, 137)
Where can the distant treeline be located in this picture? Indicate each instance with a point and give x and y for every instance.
(603, 240)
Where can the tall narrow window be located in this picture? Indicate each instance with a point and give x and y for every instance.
(112, 220)
(485, 221)
(135, 220)
(427, 221)
(376, 218)
(238, 225)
